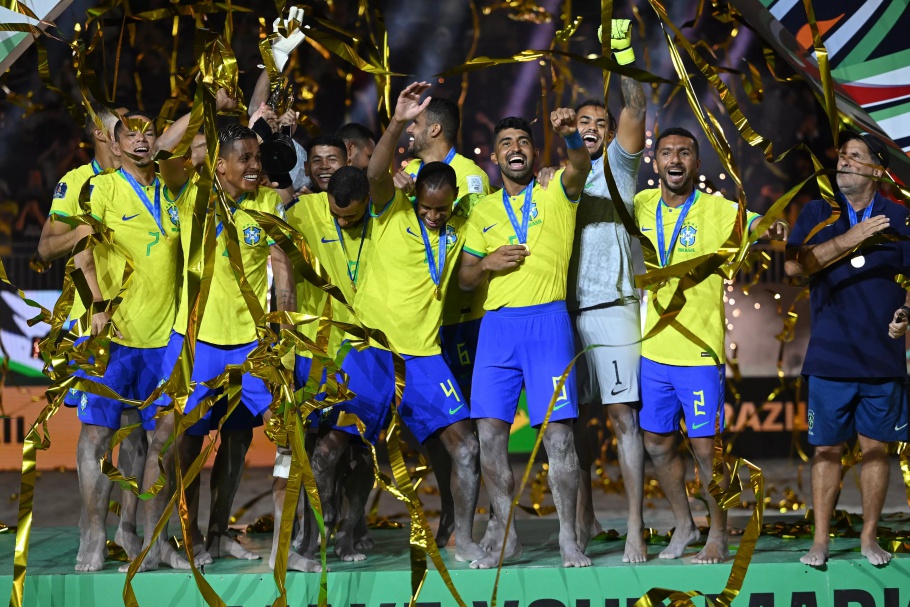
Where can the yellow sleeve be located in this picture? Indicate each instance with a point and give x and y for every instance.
(66, 196)
(474, 242)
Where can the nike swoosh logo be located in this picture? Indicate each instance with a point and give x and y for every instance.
(125, 218)
(488, 228)
(646, 229)
(408, 230)
(896, 429)
(455, 410)
(558, 407)
(615, 392)
(697, 426)
(324, 241)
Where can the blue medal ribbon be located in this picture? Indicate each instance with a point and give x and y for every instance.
(96, 167)
(436, 271)
(237, 204)
(447, 160)
(154, 209)
(664, 253)
(363, 236)
(521, 230)
(852, 214)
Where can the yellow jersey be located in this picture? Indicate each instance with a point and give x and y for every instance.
(399, 295)
(541, 277)
(473, 184)
(227, 320)
(66, 194)
(699, 328)
(65, 203)
(343, 253)
(148, 233)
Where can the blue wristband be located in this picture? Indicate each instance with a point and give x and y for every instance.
(574, 141)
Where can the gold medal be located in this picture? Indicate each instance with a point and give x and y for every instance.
(438, 293)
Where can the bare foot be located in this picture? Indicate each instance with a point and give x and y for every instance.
(491, 559)
(714, 552)
(492, 537)
(817, 555)
(160, 554)
(91, 561)
(586, 527)
(362, 539)
(127, 539)
(93, 549)
(202, 557)
(446, 527)
(876, 555)
(173, 559)
(469, 552)
(680, 541)
(225, 545)
(297, 562)
(636, 551)
(571, 555)
(344, 548)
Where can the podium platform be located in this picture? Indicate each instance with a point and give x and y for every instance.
(776, 578)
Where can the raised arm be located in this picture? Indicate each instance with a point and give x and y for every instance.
(173, 170)
(282, 47)
(630, 133)
(407, 109)
(576, 173)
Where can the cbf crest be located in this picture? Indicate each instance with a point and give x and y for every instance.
(173, 215)
(252, 235)
(687, 236)
(451, 237)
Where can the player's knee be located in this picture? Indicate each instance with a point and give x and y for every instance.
(467, 451)
(659, 448)
(828, 453)
(625, 424)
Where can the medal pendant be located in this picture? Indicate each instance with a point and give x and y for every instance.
(438, 293)
(858, 261)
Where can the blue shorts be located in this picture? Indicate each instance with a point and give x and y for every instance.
(302, 367)
(131, 373)
(431, 399)
(532, 346)
(209, 363)
(459, 349)
(670, 391)
(73, 396)
(839, 409)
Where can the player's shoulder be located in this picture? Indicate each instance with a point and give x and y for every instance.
(413, 166)
(486, 205)
(891, 208)
(78, 175)
(309, 205)
(267, 200)
(464, 166)
(647, 199)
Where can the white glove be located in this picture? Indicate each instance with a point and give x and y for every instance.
(282, 47)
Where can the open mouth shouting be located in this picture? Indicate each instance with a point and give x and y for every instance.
(517, 162)
(676, 175)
